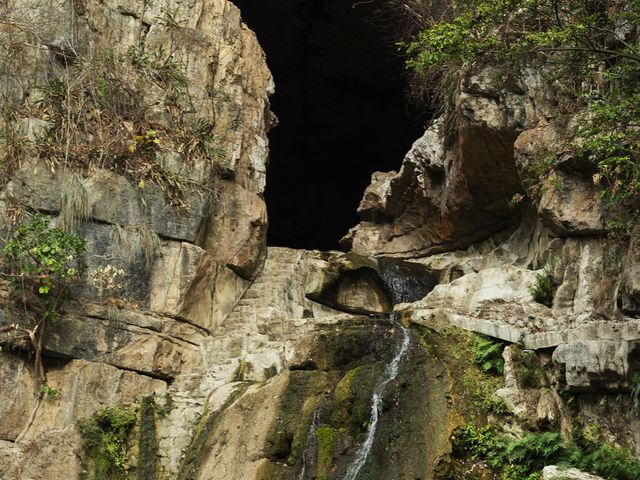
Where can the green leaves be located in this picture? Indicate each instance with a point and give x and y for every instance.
(44, 258)
(488, 354)
(542, 289)
(609, 136)
(105, 437)
(581, 42)
(44, 254)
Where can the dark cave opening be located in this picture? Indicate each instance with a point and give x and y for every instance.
(341, 110)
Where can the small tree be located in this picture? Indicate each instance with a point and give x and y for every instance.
(41, 263)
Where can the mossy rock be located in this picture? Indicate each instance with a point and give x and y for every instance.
(303, 393)
(351, 402)
(326, 437)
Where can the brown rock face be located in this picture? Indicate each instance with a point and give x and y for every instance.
(235, 235)
(190, 103)
(444, 197)
(568, 201)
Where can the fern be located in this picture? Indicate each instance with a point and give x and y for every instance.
(488, 354)
(542, 289)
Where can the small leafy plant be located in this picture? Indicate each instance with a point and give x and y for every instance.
(49, 392)
(488, 354)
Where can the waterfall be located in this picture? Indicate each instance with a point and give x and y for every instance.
(390, 374)
(310, 445)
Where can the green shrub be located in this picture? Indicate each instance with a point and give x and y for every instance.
(594, 72)
(41, 262)
(106, 441)
(524, 458)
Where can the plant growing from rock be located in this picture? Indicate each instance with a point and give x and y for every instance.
(589, 49)
(488, 354)
(41, 263)
(542, 289)
(106, 437)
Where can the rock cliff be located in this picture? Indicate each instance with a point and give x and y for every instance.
(207, 355)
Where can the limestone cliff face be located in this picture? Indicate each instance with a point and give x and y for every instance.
(476, 172)
(99, 94)
(262, 363)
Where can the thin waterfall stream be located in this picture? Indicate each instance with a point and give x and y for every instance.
(390, 373)
(404, 283)
(403, 286)
(311, 445)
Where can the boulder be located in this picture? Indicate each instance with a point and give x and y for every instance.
(551, 472)
(571, 205)
(347, 282)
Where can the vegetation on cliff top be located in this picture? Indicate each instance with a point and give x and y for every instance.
(589, 49)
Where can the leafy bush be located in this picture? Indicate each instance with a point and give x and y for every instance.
(523, 458)
(580, 44)
(41, 262)
(44, 256)
(105, 438)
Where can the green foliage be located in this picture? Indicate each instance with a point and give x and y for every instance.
(49, 392)
(581, 44)
(604, 459)
(105, 438)
(523, 458)
(609, 136)
(511, 30)
(611, 462)
(542, 289)
(44, 256)
(514, 459)
(527, 368)
(534, 174)
(41, 262)
(488, 354)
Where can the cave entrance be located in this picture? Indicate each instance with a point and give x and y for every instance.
(341, 110)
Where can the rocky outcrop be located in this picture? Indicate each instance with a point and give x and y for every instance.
(457, 183)
(162, 171)
(552, 472)
(495, 160)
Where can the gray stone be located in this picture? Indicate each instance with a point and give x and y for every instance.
(593, 364)
(552, 472)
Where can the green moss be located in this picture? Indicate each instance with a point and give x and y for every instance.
(351, 401)
(342, 396)
(474, 362)
(296, 409)
(326, 439)
(147, 468)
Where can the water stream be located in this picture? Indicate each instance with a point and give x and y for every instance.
(390, 374)
(310, 445)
